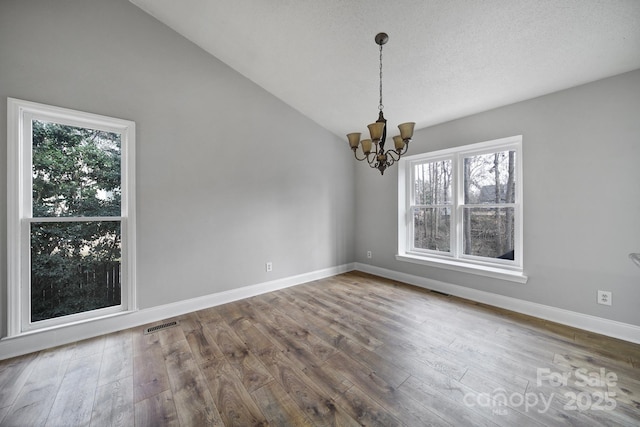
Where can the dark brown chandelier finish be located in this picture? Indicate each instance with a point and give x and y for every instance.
(377, 157)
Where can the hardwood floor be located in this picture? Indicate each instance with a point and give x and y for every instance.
(350, 350)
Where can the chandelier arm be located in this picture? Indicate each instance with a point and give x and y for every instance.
(374, 158)
(375, 163)
(370, 158)
(405, 148)
(377, 147)
(391, 160)
(355, 153)
(393, 155)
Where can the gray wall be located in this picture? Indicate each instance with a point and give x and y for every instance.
(228, 176)
(581, 150)
(213, 205)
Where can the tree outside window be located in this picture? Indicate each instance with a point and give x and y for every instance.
(75, 266)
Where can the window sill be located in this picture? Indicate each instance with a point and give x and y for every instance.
(480, 270)
(69, 324)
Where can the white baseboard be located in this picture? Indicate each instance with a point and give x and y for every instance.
(40, 340)
(612, 328)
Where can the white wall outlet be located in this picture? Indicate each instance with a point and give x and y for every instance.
(268, 266)
(604, 297)
(369, 255)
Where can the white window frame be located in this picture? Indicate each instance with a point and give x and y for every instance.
(20, 115)
(511, 270)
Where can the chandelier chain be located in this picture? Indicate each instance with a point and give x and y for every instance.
(380, 105)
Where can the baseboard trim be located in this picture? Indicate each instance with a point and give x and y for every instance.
(611, 328)
(40, 340)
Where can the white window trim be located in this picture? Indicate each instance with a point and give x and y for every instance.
(19, 116)
(510, 271)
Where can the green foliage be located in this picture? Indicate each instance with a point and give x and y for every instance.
(74, 265)
(76, 171)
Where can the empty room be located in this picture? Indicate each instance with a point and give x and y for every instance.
(296, 213)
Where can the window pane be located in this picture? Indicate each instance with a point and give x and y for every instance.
(489, 232)
(76, 171)
(75, 267)
(490, 178)
(432, 183)
(432, 229)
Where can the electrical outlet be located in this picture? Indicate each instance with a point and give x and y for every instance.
(269, 266)
(604, 297)
(369, 255)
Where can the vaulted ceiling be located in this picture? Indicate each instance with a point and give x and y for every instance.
(445, 59)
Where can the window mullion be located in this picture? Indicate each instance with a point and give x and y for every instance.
(458, 200)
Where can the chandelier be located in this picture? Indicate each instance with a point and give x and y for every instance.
(376, 156)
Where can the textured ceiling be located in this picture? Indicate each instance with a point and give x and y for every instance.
(445, 59)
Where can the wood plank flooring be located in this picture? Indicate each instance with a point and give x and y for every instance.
(350, 350)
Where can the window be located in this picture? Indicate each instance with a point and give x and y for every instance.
(461, 209)
(71, 216)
